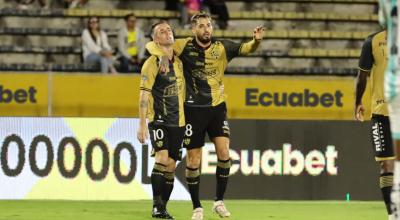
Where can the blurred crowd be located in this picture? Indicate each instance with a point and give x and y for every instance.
(45, 4)
(188, 8)
(129, 53)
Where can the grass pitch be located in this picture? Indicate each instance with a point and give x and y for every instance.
(240, 209)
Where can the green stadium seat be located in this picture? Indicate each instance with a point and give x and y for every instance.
(270, 34)
(161, 14)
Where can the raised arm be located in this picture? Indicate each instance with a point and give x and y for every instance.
(251, 46)
(234, 49)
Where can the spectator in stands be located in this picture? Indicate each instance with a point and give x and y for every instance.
(188, 9)
(76, 3)
(218, 7)
(24, 4)
(193, 7)
(95, 46)
(131, 45)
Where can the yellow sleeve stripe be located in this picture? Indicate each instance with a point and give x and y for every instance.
(384, 158)
(145, 89)
(363, 69)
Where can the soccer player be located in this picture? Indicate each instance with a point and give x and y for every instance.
(204, 61)
(389, 10)
(373, 62)
(161, 100)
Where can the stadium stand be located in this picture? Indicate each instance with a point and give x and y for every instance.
(303, 37)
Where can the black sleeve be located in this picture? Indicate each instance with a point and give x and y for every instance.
(232, 49)
(366, 58)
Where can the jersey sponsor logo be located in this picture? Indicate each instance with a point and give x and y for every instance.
(18, 96)
(294, 99)
(205, 73)
(380, 101)
(171, 90)
(195, 54)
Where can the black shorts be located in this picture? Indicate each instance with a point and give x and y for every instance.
(381, 138)
(166, 138)
(200, 120)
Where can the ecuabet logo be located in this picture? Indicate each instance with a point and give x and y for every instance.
(288, 161)
(19, 96)
(306, 98)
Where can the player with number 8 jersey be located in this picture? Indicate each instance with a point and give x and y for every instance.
(204, 60)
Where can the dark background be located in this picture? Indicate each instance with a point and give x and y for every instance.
(357, 170)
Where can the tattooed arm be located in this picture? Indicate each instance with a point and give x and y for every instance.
(142, 134)
(148, 75)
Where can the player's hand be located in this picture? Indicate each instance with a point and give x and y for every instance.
(163, 64)
(258, 33)
(359, 112)
(142, 134)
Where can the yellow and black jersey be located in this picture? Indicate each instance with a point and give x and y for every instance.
(167, 92)
(204, 67)
(374, 57)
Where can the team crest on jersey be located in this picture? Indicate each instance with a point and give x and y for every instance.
(159, 143)
(144, 77)
(186, 141)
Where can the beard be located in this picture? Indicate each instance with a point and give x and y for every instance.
(204, 40)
